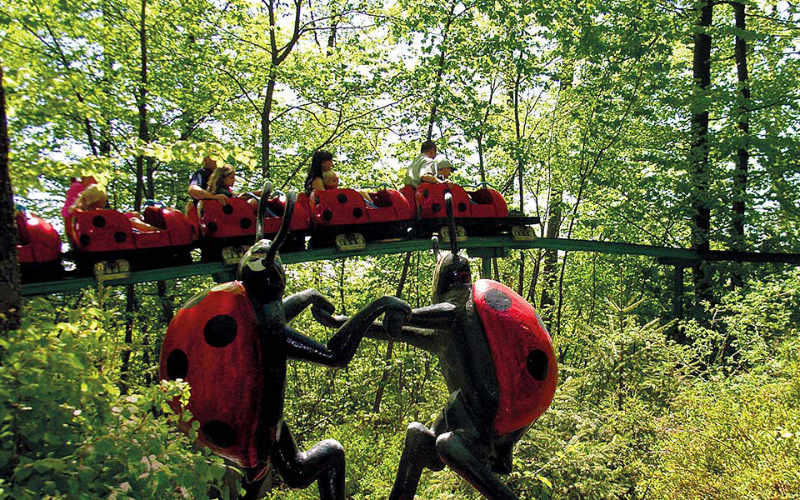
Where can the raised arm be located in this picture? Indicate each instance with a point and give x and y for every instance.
(434, 316)
(418, 330)
(430, 317)
(342, 346)
(294, 304)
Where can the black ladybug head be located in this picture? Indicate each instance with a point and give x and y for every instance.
(260, 269)
(452, 279)
(262, 275)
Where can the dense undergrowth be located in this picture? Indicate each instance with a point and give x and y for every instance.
(635, 415)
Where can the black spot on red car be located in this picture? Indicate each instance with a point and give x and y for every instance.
(537, 364)
(497, 300)
(177, 365)
(220, 330)
(219, 433)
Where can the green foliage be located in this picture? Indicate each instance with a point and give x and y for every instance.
(615, 381)
(734, 436)
(68, 433)
(579, 112)
(745, 328)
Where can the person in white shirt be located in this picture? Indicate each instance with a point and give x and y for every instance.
(423, 168)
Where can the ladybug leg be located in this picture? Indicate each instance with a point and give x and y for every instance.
(418, 337)
(323, 463)
(504, 451)
(455, 449)
(429, 317)
(295, 304)
(394, 325)
(253, 489)
(326, 318)
(419, 451)
(342, 346)
(436, 316)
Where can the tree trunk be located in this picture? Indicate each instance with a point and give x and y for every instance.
(561, 293)
(676, 332)
(130, 310)
(332, 39)
(277, 56)
(343, 308)
(167, 309)
(150, 186)
(742, 154)
(440, 72)
(141, 104)
(265, 123)
(481, 164)
(698, 156)
(376, 406)
(550, 268)
(10, 298)
(137, 199)
(537, 263)
(518, 133)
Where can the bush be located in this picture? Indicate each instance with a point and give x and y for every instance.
(734, 432)
(733, 438)
(66, 432)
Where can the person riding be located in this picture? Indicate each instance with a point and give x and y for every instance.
(75, 189)
(321, 162)
(321, 176)
(221, 181)
(443, 170)
(422, 168)
(91, 198)
(198, 184)
(94, 198)
(330, 179)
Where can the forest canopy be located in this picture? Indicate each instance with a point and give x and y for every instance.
(662, 123)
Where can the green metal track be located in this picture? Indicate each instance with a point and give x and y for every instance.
(478, 247)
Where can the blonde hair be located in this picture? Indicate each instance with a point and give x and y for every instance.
(92, 195)
(330, 179)
(217, 176)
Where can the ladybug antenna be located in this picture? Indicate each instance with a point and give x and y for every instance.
(451, 223)
(283, 232)
(435, 246)
(262, 210)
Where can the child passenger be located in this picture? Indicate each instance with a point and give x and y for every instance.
(443, 170)
(221, 181)
(321, 176)
(94, 198)
(330, 179)
(421, 169)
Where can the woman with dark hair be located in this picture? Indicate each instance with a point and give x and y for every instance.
(321, 161)
(321, 176)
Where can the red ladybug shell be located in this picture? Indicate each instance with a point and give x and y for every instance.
(213, 344)
(524, 361)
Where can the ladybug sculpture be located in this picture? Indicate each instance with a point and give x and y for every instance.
(232, 344)
(498, 361)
